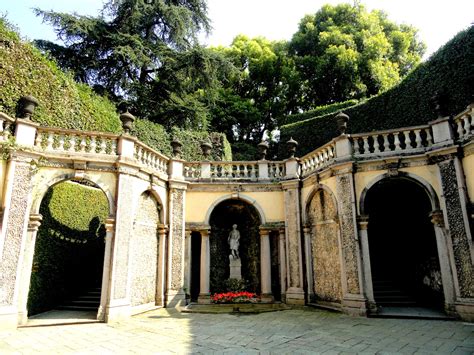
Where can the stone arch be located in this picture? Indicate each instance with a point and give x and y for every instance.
(60, 176)
(325, 265)
(404, 175)
(242, 197)
(144, 250)
(403, 247)
(315, 189)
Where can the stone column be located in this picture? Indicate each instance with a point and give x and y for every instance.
(363, 222)
(109, 240)
(265, 265)
(295, 292)
(175, 295)
(309, 262)
(204, 295)
(187, 261)
(457, 223)
(283, 266)
(161, 267)
(16, 206)
(446, 259)
(353, 301)
(33, 226)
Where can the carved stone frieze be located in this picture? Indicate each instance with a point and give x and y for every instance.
(177, 238)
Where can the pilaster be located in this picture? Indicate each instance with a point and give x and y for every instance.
(204, 295)
(265, 265)
(161, 268)
(104, 295)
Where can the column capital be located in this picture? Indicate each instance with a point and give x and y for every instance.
(363, 221)
(162, 228)
(109, 224)
(205, 232)
(34, 222)
(437, 218)
(264, 231)
(306, 229)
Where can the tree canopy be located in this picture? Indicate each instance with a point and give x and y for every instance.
(344, 52)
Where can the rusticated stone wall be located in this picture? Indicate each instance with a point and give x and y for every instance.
(177, 238)
(457, 228)
(325, 249)
(144, 251)
(348, 231)
(15, 225)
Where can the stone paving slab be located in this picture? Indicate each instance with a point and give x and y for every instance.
(304, 331)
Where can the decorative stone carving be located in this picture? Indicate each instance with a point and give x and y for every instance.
(28, 105)
(177, 238)
(342, 119)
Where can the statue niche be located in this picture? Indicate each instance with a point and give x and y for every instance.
(234, 258)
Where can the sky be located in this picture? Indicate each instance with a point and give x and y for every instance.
(437, 20)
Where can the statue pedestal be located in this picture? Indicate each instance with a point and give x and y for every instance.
(235, 266)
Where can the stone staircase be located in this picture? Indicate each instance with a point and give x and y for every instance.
(388, 294)
(88, 300)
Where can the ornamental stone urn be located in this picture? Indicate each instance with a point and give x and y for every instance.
(342, 119)
(206, 148)
(127, 121)
(291, 145)
(262, 150)
(28, 105)
(177, 148)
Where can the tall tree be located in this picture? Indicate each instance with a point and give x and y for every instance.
(141, 51)
(344, 52)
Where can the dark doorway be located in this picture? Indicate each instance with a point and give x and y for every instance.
(195, 265)
(275, 260)
(246, 217)
(402, 243)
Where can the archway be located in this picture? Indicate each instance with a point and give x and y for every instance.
(402, 245)
(69, 249)
(325, 260)
(223, 216)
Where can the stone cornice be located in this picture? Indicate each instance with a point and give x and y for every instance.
(290, 184)
(223, 186)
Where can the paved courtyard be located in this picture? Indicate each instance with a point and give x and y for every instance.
(292, 331)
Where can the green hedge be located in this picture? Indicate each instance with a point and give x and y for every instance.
(69, 247)
(318, 111)
(450, 70)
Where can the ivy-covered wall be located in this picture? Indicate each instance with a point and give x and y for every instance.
(69, 247)
(449, 71)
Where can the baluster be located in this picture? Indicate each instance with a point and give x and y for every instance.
(406, 134)
(114, 147)
(376, 144)
(467, 125)
(460, 129)
(253, 171)
(417, 138)
(331, 152)
(72, 143)
(366, 145)
(82, 144)
(50, 141)
(429, 138)
(103, 146)
(396, 141)
(38, 140)
(93, 145)
(61, 142)
(385, 143)
(245, 171)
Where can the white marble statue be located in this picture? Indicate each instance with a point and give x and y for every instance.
(234, 241)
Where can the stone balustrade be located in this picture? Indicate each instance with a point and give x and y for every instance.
(317, 159)
(395, 141)
(236, 170)
(70, 141)
(151, 158)
(464, 123)
(276, 170)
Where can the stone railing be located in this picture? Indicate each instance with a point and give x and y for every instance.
(395, 141)
(151, 158)
(317, 159)
(276, 170)
(69, 141)
(464, 123)
(5, 124)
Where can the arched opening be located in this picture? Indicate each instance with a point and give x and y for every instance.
(325, 249)
(69, 249)
(402, 245)
(144, 251)
(247, 219)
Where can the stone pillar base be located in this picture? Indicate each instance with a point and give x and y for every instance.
(354, 305)
(465, 309)
(23, 317)
(295, 295)
(267, 298)
(8, 318)
(204, 298)
(117, 312)
(175, 299)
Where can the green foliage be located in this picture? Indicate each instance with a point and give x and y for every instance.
(448, 71)
(69, 245)
(63, 103)
(318, 111)
(344, 52)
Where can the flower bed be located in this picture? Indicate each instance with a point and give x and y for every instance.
(234, 297)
